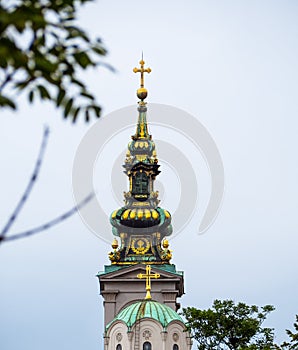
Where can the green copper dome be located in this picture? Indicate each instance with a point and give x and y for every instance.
(147, 309)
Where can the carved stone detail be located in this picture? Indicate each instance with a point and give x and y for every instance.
(109, 296)
(106, 340)
(164, 335)
(175, 337)
(119, 337)
(130, 335)
(147, 334)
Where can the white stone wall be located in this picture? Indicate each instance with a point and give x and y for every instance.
(117, 334)
(177, 335)
(148, 330)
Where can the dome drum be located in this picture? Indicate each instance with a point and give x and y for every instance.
(147, 325)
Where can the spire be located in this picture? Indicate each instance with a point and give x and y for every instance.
(142, 128)
(142, 92)
(141, 224)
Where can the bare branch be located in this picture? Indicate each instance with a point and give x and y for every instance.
(51, 223)
(29, 187)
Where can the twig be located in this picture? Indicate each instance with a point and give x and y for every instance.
(30, 185)
(51, 223)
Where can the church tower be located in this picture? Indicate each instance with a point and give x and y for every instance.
(133, 320)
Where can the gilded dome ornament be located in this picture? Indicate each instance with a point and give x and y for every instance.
(165, 243)
(142, 92)
(115, 255)
(115, 243)
(140, 246)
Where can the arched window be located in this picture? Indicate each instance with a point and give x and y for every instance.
(175, 347)
(147, 346)
(119, 347)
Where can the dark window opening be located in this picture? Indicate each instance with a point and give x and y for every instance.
(140, 184)
(147, 346)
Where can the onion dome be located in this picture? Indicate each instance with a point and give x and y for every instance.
(146, 309)
(142, 217)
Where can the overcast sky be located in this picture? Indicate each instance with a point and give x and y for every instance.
(233, 65)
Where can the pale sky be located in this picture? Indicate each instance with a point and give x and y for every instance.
(232, 65)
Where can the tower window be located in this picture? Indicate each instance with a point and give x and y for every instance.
(140, 184)
(119, 347)
(147, 346)
(175, 347)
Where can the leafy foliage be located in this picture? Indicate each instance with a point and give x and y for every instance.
(42, 52)
(230, 326)
(293, 344)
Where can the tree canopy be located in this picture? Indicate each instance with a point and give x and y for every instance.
(43, 51)
(230, 326)
(292, 344)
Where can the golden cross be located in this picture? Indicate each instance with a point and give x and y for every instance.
(142, 70)
(148, 275)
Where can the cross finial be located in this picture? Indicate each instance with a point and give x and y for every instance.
(142, 70)
(148, 275)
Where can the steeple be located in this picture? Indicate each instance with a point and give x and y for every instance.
(142, 128)
(141, 224)
(141, 252)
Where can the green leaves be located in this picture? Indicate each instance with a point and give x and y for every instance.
(48, 65)
(7, 102)
(230, 326)
(89, 96)
(83, 59)
(31, 96)
(68, 106)
(44, 94)
(60, 97)
(293, 343)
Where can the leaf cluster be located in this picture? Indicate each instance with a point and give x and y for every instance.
(42, 52)
(292, 344)
(230, 326)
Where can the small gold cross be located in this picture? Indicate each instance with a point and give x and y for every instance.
(148, 275)
(142, 70)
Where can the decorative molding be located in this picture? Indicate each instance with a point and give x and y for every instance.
(164, 335)
(106, 340)
(109, 296)
(119, 337)
(189, 341)
(175, 337)
(130, 335)
(147, 334)
(170, 296)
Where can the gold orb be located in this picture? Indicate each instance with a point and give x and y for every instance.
(142, 93)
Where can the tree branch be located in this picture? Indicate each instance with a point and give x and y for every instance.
(52, 222)
(29, 187)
